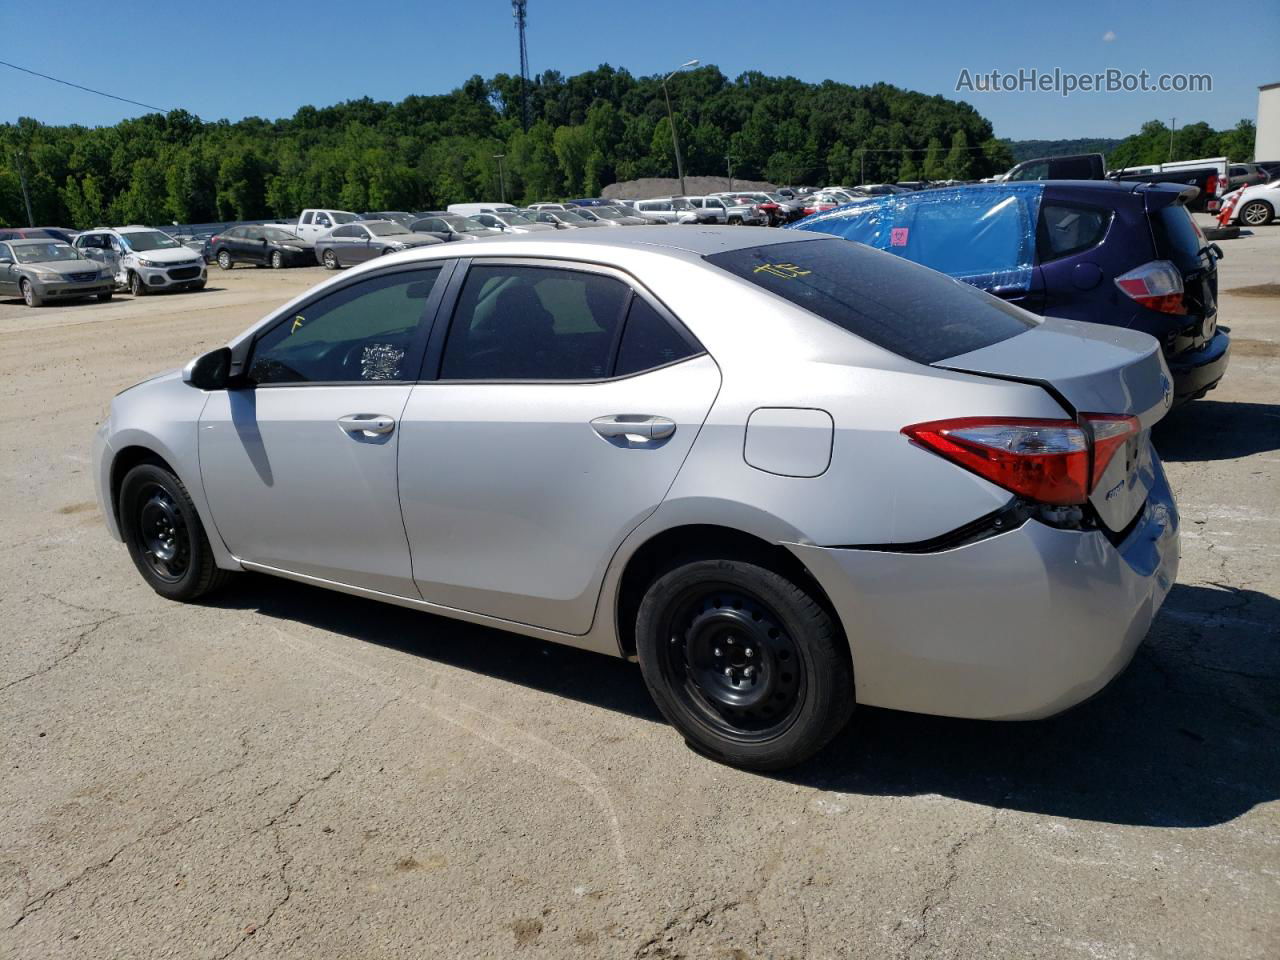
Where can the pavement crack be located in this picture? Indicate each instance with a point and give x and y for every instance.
(86, 631)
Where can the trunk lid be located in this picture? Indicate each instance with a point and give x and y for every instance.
(1093, 369)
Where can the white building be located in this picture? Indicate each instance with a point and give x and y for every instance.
(1267, 144)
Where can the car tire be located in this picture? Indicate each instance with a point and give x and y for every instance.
(1256, 213)
(748, 666)
(735, 221)
(224, 260)
(277, 260)
(104, 297)
(330, 260)
(136, 286)
(29, 295)
(165, 537)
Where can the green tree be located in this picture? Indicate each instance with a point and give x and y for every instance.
(959, 161)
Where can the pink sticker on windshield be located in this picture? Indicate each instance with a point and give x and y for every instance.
(898, 237)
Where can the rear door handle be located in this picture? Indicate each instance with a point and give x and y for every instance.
(642, 426)
(369, 424)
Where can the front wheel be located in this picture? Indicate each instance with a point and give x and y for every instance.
(136, 286)
(104, 297)
(29, 295)
(277, 260)
(166, 540)
(746, 664)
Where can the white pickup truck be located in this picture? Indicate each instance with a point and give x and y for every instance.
(313, 224)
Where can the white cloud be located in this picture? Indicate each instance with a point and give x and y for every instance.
(1109, 36)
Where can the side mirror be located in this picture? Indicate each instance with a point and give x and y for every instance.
(211, 371)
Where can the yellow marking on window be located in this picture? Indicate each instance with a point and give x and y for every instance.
(298, 321)
(787, 271)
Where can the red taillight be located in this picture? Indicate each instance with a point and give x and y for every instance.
(1156, 285)
(1211, 185)
(1049, 461)
(213, 239)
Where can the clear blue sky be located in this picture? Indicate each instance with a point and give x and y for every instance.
(231, 59)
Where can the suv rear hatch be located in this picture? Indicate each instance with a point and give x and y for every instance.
(1179, 241)
(1091, 369)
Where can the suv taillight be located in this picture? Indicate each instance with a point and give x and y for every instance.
(1048, 461)
(1156, 285)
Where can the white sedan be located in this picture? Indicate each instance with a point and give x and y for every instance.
(1257, 205)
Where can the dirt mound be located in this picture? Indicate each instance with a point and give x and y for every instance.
(648, 187)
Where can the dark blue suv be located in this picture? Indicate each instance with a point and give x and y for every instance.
(1126, 254)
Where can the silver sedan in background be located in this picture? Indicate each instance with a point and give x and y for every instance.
(352, 243)
(43, 270)
(785, 472)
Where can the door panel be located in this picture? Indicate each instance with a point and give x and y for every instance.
(291, 488)
(512, 501)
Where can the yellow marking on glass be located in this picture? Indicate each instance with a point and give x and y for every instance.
(787, 271)
(298, 321)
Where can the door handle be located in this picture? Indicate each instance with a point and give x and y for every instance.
(641, 426)
(370, 424)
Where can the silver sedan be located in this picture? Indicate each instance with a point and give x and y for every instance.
(44, 270)
(785, 472)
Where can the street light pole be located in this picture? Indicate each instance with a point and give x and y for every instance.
(502, 183)
(675, 142)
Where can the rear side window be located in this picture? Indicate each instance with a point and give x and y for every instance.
(649, 341)
(1069, 229)
(910, 310)
(533, 323)
(1178, 238)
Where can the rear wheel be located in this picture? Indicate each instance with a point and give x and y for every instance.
(104, 297)
(136, 286)
(330, 260)
(224, 260)
(746, 664)
(29, 295)
(166, 540)
(1257, 213)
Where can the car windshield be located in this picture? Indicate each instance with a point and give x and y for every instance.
(514, 219)
(144, 240)
(465, 224)
(385, 229)
(587, 214)
(279, 236)
(43, 252)
(910, 310)
(607, 213)
(568, 216)
(344, 218)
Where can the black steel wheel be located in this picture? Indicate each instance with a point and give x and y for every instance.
(747, 664)
(164, 535)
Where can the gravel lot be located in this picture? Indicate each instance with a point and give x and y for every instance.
(292, 773)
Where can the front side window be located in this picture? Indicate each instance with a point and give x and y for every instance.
(361, 333)
(306, 217)
(910, 310)
(323, 221)
(533, 323)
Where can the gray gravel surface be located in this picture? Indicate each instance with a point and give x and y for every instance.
(289, 773)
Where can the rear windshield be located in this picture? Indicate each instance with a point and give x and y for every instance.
(1178, 238)
(915, 312)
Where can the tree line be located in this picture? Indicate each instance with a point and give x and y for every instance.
(586, 131)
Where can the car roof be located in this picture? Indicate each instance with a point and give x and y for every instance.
(32, 241)
(684, 242)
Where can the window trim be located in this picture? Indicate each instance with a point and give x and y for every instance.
(1044, 248)
(242, 353)
(447, 314)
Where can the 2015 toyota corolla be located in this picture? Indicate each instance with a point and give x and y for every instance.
(785, 472)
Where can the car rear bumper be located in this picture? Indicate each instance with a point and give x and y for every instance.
(1018, 626)
(1197, 371)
